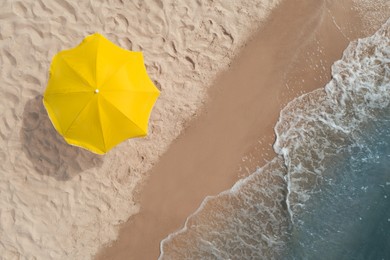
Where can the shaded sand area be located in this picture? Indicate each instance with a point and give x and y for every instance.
(290, 55)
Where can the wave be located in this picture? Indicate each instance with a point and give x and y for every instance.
(259, 214)
(317, 126)
(347, 217)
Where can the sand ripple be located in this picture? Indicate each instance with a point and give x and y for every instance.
(61, 202)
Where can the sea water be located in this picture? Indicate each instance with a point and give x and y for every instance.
(348, 215)
(326, 195)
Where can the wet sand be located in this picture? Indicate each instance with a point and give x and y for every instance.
(290, 55)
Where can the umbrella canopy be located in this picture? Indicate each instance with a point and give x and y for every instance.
(99, 94)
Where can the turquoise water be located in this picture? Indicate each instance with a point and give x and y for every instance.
(348, 217)
(326, 195)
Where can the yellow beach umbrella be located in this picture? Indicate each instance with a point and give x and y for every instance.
(99, 94)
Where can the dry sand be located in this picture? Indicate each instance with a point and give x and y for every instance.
(290, 55)
(61, 202)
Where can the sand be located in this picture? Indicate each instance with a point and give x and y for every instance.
(59, 201)
(290, 55)
(62, 202)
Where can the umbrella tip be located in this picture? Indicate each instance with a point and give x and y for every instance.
(96, 91)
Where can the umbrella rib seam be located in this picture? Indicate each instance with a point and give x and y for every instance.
(114, 74)
(66, 93)
(96, 62)
(78, 115)
(85, 81)
(101, 127)
(124, 114)
(127, 90)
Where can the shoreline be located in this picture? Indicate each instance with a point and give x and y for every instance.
(234, 130)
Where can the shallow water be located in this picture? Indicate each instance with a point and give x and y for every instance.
(326, 195)
(348, 217)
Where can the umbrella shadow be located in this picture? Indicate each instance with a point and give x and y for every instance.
(47, 150)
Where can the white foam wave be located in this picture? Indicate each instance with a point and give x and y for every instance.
(217, 220)
(322, 122)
